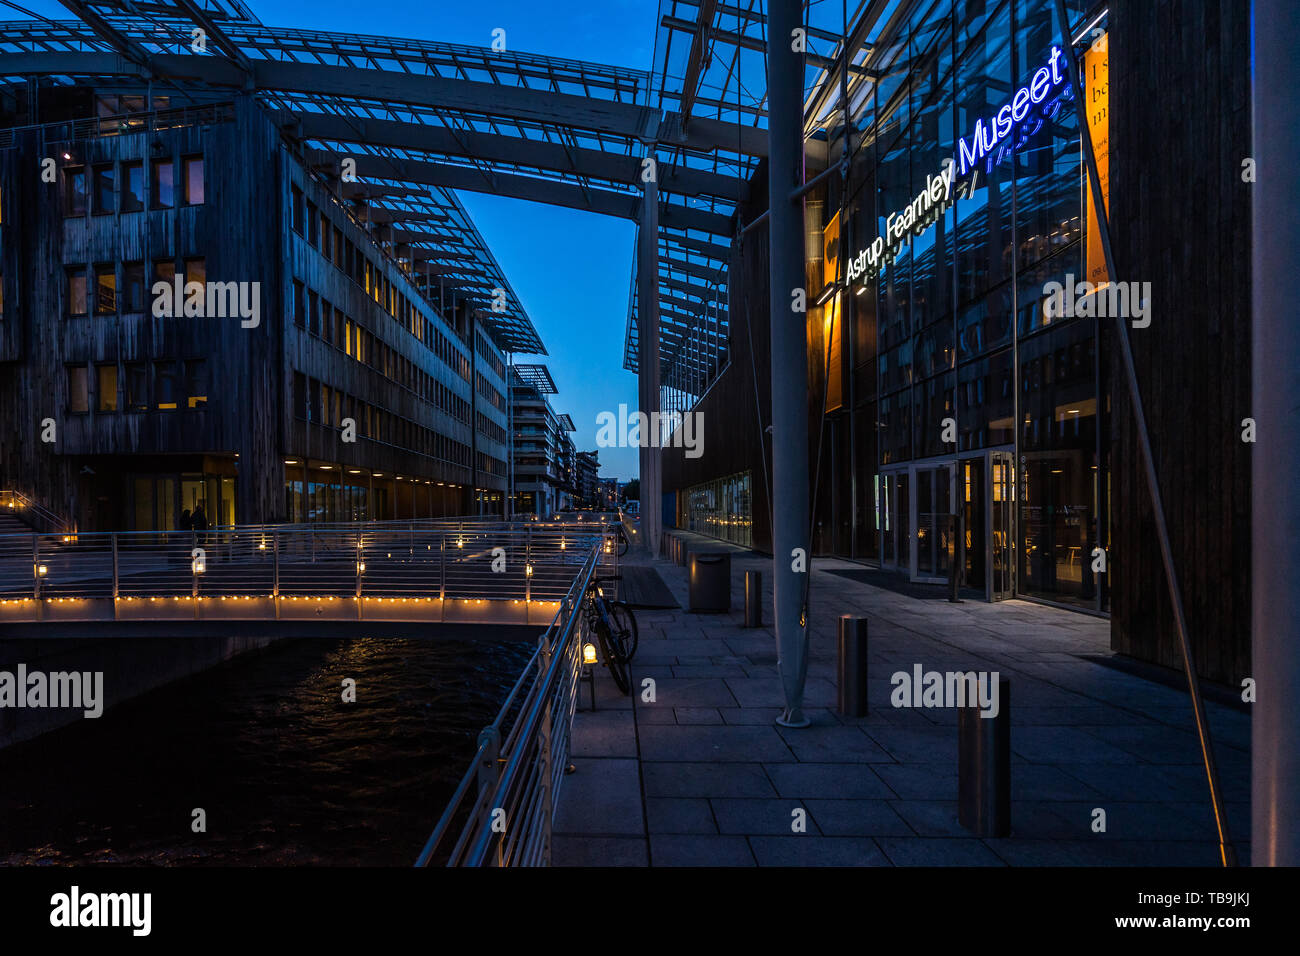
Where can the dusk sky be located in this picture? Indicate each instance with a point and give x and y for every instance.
(570, 269)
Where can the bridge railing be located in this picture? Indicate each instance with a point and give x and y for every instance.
(502, 812)
(391, 561)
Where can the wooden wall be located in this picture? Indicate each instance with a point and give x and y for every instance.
(1180, 217)
(731, 413)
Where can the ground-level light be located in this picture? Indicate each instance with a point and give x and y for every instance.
(588, 653)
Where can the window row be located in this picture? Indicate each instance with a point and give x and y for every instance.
(315, 401)
(488, 391)
(313, 224)
(489, 355)
(105, 188)
(314, 313)
(490, 429)
(111, 287)
(163, 386)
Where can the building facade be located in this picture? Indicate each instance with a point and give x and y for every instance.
(221, 333)
(967, 397)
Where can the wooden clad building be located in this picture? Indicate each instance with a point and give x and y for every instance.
(308, 380)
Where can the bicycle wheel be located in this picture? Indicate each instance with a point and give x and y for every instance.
(614, 659)
(622, 543)
(624, 626)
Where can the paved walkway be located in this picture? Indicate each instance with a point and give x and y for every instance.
(702, 776)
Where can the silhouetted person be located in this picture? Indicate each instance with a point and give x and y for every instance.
(187, 522)
(200, 520)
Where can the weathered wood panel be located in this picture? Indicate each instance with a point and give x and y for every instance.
(1180, 218)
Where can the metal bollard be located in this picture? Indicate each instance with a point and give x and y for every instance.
(853, 666)
(683, 553)
(984, 767)
(753, 599)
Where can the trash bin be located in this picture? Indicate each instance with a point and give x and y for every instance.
(710, 582)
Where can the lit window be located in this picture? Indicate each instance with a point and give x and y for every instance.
(105, 289)
(106, 388)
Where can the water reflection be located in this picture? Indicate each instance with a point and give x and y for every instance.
(286, 771)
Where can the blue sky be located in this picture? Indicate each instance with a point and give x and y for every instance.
(570, 269)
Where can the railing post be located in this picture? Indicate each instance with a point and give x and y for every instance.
(442, 567)
(360, 563)
(116, 591)
(36, 568)
(489, 775)
(545, 732)
(275, 579)
(528, 567)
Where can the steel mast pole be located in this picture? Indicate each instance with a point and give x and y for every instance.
(789, 353)
(647, 290)
(1275, 476)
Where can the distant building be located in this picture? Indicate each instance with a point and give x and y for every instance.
(586, 469)
(607, 494)
(543, 450)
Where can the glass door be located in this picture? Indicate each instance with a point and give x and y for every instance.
(932, 517)
(1002, 485)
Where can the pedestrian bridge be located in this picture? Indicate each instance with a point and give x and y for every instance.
(442, 571)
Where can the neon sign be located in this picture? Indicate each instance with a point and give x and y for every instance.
(984, 138)
(930, 203)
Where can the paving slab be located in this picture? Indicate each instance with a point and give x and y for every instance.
(704, 777)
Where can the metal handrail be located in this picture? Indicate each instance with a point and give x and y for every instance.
(402, 561)
(511, 814)
(12, 499)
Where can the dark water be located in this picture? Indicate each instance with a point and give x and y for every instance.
(287, 772)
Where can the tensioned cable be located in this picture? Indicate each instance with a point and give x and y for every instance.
(749, 326)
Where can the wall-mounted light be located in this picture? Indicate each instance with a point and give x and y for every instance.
(827, 293)
(588, 653)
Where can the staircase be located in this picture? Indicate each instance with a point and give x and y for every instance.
(22, 514)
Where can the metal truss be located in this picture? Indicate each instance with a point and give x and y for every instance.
(536, 377)
(421, 120)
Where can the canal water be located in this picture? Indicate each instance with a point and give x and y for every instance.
(287, 772)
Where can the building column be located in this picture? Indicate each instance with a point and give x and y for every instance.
(1275, 473)
(647, 290)
(789, 355)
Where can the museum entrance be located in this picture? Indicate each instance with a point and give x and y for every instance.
(934, 512)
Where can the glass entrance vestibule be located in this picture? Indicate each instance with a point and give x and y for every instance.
(933, 512)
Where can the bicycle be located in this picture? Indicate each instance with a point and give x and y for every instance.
(616, 632)
(615, 528)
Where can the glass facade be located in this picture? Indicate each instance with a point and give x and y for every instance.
(966, 399)
(720, 508)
